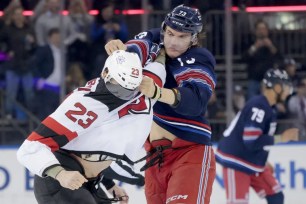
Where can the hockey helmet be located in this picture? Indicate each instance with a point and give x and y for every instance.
(184, 19)
(125, 68)
(276, 76)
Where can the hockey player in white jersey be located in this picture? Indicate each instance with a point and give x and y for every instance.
(105, 121)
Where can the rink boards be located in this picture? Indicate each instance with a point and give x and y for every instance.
(289, 161)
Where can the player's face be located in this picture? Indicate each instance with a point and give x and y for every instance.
(176, 43)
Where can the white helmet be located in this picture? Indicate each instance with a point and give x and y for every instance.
(125, 68)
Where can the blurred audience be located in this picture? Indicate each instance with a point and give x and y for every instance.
(105, 28)
(51, 18)
(74, 77)
(47, 63)
(19, 39)
(260, 56)
(78, 46)
(9, 11)
(290, 65)
(80, 20)
(297, 108)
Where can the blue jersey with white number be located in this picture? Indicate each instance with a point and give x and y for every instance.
(193, 74)
(242, 147)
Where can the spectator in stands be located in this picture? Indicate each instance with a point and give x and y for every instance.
(74, 78)
(78, 46)
(40, 8)
(9, 10)
(105, 28)
(297, 108)
(260, 56)
(81, 20)
(290, 66)
(51, 18)
(19, 39)
(48, 70)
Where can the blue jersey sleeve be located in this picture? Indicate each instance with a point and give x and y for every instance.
(146, 45)
(196, 81)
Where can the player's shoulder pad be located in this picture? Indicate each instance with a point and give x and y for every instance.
(152, 35)
(90, 86)
(202, 56)
(258, 102)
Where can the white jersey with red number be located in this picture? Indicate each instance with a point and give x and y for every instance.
(92, 121)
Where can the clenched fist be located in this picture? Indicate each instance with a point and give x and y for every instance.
(71, 179)
(147, 86)
(114, 45)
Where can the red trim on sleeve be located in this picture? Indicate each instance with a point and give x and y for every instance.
(252, 133)
(153, 76)
(59, 128)
(142, 47)
(44, 140)
(196, 75)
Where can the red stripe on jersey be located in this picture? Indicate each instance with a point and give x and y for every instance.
(196, 75)
(184, 121)
(44, 140)
(59, 128)
(142, 47)
(153, 55)
(252, 133)
(239, 159)
(153, 76)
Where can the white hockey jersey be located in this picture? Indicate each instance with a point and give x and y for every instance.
(92, 121)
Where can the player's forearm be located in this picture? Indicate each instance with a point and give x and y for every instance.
(168, 96)
(53, 171)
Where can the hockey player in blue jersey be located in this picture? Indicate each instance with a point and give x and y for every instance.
(181, 165)
(241, 151)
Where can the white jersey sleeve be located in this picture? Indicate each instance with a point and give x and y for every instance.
(156, 71)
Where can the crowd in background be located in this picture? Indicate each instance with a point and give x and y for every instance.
(261, 55)
(31, 49)
(31, 55)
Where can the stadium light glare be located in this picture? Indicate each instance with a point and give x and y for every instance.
(260, 9)
(256, 9)
(93, 12)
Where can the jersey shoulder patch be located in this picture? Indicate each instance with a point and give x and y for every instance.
(152, 35)
(201, 56)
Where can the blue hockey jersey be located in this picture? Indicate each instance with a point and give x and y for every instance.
(242, 147)
(193, 74)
